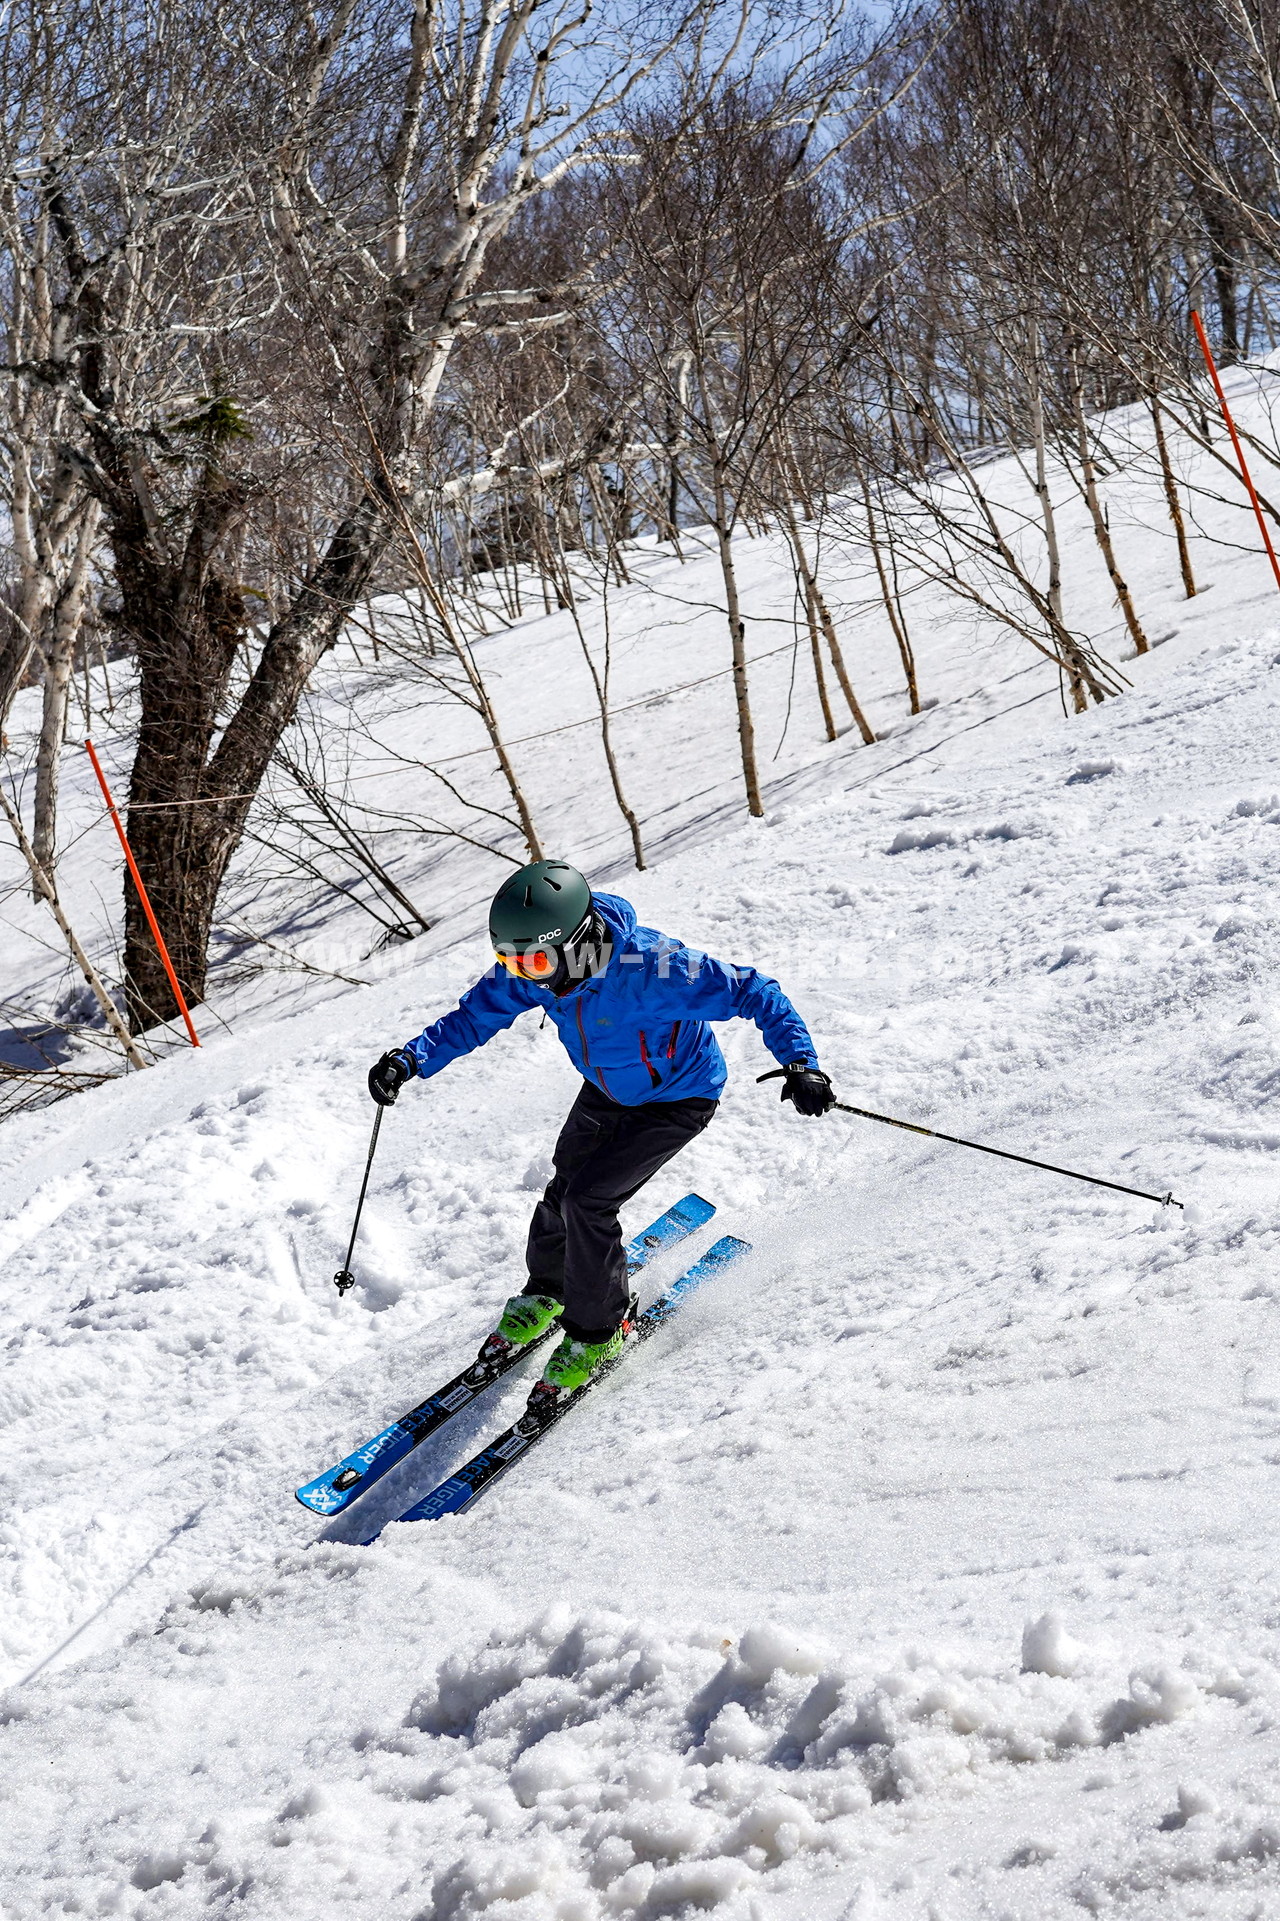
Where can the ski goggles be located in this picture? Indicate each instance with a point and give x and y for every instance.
(530, 963)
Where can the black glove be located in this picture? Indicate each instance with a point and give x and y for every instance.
(808, 1088)
(388, 1076)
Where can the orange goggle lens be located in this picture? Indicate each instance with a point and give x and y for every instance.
(534, 964)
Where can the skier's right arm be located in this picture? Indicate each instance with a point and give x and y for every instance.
(484, 1010)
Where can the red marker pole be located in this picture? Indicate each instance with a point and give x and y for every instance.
(1207, 351)
(152, 922)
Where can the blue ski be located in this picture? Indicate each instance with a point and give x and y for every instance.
(480, 1473)
(335, 1490)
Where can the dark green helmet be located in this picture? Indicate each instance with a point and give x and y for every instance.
(543, 905)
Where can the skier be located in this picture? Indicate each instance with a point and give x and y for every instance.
(631, 1006)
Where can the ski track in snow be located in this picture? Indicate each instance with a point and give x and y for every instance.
(924, 1568)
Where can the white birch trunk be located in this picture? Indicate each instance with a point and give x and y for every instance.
(64, 630)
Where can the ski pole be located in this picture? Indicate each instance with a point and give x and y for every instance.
(345, 1278)
(933, 1134)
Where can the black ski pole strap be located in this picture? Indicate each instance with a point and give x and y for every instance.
(1002, 1153)
(345, 1278)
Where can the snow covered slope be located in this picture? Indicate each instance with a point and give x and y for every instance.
(925, 1568)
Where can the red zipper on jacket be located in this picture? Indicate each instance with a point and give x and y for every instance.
(671, 1044)
(586, 1051)
(654, 1075)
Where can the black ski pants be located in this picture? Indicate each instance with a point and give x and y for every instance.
(605, 1154)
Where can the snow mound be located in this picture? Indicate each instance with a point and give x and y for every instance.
(633, 1772)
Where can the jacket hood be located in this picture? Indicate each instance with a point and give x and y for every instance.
(620, 915)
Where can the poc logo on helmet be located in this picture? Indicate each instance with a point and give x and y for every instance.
(555, 934)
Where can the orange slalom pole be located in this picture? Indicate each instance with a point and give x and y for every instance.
(152, 922)
(1235, 441)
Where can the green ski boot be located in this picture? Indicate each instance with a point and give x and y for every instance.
(574, 1362)
(525, 1318)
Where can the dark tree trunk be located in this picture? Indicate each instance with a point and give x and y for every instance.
(1226, 281)
(187, 809)
(186, 623)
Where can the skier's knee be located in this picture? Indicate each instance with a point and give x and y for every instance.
(578, 1193)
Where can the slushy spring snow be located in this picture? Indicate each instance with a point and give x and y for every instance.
(926, 1565)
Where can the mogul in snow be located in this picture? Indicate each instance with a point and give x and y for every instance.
(632, 1007)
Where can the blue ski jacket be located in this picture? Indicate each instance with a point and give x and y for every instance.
(638, 1031)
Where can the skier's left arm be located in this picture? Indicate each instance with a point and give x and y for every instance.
(713, 990)
(705, 989)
